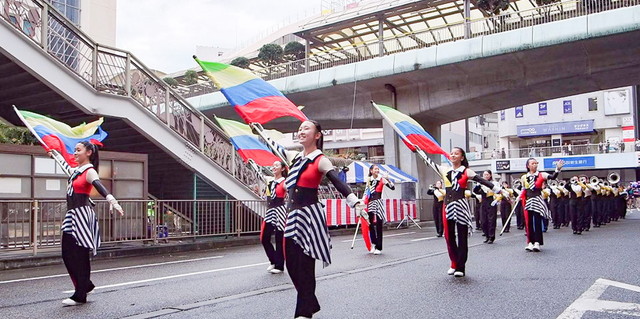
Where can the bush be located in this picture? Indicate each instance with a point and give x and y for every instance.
(271, 54)
(170, 81)
(294, 51)
(241, 62)
(191, 77)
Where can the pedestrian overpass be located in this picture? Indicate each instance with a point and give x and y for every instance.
(461, 69)
(49, 66)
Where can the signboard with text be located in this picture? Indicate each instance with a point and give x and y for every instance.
(571, 162)
(585, 126)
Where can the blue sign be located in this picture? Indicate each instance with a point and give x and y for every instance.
(567, 107)
(502, 115)
(574, 162)
(585, 126)
(542, 108)
(519, 111)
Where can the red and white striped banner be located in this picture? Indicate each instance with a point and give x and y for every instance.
(339, 213)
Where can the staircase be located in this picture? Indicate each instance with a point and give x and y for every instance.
(48, 65)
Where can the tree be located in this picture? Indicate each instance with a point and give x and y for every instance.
(271, 54)
(294, 51)
(16, 135)
(241, 62)
(190, 77)
(494, 7)
(170, 81)
(545, 2)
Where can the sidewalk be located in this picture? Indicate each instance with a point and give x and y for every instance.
(16, 259)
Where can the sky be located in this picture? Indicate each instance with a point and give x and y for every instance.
(164, 34)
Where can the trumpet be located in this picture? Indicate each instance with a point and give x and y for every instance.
(613, 178)
(606, 183)
(573, 180)
(582, 179)
(553, 183)
(594, 180)
(562, 183)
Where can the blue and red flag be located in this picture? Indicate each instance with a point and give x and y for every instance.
(410, 131)
(54, 135)
(255, 100)
(248, 145)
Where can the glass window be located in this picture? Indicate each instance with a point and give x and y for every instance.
(69, 8)
(593, 104)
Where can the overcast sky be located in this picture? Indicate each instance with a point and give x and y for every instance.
(164, 33)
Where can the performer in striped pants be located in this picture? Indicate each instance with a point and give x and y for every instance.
(375, 206)
(306, 233)
(80, 233)
(535, 209)
(274, 219)
(457, 214)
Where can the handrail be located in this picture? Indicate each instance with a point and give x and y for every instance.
(117, 72)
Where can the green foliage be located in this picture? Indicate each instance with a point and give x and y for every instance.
(16, 135)
(170, 81)
(271, 54)
(294, 51)
(495, 6)
(545, 2)
(241, 62)
(190, 77)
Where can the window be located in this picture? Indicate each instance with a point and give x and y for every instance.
(593, 104)
(69, 8)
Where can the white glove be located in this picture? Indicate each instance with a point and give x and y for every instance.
(360, 211)
(113, 202)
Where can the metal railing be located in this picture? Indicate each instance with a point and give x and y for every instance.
(565, 150)
(117, 72)
(442, 34)
(33, 224)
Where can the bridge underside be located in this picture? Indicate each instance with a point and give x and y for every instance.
(451, 92)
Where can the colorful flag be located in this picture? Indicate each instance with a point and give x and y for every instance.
(61, 137)
(248, 144)
(410, 131)
(255, 100)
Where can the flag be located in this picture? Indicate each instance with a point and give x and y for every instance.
(410, 131)
(248, 144)
(61, 137)
(255, 100)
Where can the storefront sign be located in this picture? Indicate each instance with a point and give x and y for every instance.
(542, 108)
(504, 165)
(519, 111)
(585, 126)
(567, 106)
(571, 162)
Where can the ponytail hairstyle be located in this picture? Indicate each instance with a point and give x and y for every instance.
(285, 169)
(527, 165)
(464, 162)
(320, 141)
(94, 158)
(371, 169)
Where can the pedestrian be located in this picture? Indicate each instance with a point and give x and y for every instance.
(503, 154)
(275, 218)
(505, 206)
(438, 199)
(375, 206)
(534, 207)
(306, 236)
(569, 148)
(457, 214)
(493, 153)
(80, 233)
(488, 209)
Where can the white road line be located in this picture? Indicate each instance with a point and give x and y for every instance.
(385, 236)
(113, 269)
(589, 301)
(173, 276)
(421, 239)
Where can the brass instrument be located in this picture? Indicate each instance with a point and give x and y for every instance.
(582, 179)
(517, 183)
(613, 178)
(606, 184)
(574, 180)
(553, 183)
(562, 183)
(594, 180)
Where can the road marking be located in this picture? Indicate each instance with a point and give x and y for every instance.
(385, 236)
(589, 301)
(174, 276)
(421, 239)
(114, 269)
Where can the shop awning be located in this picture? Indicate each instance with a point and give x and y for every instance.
(358, 172)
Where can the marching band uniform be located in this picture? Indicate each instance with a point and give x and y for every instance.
(376, 209)
(505, 209)
(554, 202)
(488, 212)
(535, 209)
(563, 206)
(519, 211)
(596, 206)
(622, 202)
(438, 200)
(576, 207)
(457, 216)
(477, 212)
(306, 233)
(274, 223)
(586, 216)
(80, 231)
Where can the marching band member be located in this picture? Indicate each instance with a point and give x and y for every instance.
(375, 206)
(306, 236)
(457, 214)
(517, 188)
(576, 207)
(563, 205)
(505, 206)
(535, 209)
(622, 201)
(586, 198)
(596, 202)
(488, 210)
(274, 219)
(80, 233)
(438, 199)
(554, 204)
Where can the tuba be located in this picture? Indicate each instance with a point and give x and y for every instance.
(613, 178)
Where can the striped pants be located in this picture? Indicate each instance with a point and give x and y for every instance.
(76, 259)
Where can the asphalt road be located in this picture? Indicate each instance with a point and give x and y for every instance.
(594, 275)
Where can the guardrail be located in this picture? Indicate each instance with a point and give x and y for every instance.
(32, 224)
(565, 150)
(117, 72)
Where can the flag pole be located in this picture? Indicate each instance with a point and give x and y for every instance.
(419, 151)
(257, 127)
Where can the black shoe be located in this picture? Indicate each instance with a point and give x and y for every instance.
(439, 235)
(486, 240)
(491, 240)
(506, 230)
(575, 232)
(91, 287)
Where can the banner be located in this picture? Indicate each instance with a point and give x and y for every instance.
(339, 213)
